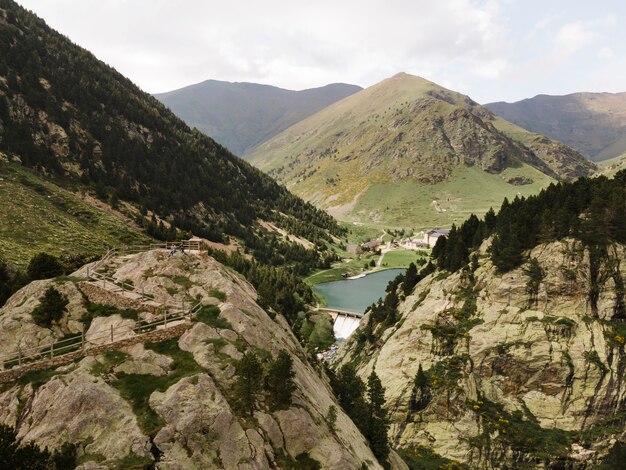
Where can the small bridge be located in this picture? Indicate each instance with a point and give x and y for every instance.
(337, 312)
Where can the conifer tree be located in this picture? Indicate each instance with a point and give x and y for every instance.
(44, 266)
(248, 383)
(378, 422)
(410, 279)
(52, 306)
(279, 381)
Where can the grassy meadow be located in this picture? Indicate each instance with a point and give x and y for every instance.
(39, 216)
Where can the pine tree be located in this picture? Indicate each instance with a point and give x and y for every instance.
(248, 383)
(279, 381)
(536, 275)
(44, 266)
(331, 417)
(378, 422)
(52, 306)
(420, 397)
(410, 279)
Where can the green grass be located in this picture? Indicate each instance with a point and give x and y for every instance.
(107, 361)
(132, 462)
(401, 258)
(137, 388)
(351, 267)
(39, 216)
(210, 315)
(183, 281)
(468, 190)
(37, 377)
(424, 458)
(99, 310)
(218, 294)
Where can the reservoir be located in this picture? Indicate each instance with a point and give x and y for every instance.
(356, 294)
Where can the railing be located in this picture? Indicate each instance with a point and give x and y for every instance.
(171, 312)
(80, 342)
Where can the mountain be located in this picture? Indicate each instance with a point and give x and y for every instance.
(592, 123)
(39, 216)
(242, 115)
(167, 397)
(509, 353)
(75, 120)
(407, 150)
(612, 166)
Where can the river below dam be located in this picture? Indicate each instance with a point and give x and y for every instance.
(355, 295)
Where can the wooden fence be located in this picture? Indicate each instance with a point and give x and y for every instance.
(171, 312)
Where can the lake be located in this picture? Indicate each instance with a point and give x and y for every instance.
(356, 294)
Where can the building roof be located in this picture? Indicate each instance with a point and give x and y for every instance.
(437, 232)
(371, 244)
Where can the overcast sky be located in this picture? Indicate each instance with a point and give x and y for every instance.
(491, 50)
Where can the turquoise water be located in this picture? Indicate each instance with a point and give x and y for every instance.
(356, 294)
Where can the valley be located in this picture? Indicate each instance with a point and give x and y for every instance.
(237, 276)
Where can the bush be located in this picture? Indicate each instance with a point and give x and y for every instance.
(52, 306)
(44, 266)
(30, 457)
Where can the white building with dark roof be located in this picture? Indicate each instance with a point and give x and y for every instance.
(431, 236)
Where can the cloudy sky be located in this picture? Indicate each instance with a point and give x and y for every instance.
(491, 50)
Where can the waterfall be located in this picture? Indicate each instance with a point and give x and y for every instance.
(345, 326)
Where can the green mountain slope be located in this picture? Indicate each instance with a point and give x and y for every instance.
(38, 215)
(400, 140)
(72, 118)
(242, 115)
(592, 123)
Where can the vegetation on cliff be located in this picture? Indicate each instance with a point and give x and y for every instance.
(74, 119)
(589, 209)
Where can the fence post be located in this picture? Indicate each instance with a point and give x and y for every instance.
(165, 318)
(19, 356)
(51, 350)
(111, 333)
(82, 338)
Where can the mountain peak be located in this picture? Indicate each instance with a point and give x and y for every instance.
(241, 115)
(402, 131)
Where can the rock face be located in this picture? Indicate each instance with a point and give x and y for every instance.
(520, 380)
(170, 403)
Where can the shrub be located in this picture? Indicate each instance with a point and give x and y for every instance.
(52, 306)
(44, 266)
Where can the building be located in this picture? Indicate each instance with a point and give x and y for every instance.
(431, 236)
(370, 246)
(354, 249)
(416, 245)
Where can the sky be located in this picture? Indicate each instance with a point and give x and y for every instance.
(491, 50)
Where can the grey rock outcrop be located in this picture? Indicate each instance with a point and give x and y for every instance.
(170, 403)
(544, 366)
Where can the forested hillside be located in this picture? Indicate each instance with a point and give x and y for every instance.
(590, 210)
(73, 118)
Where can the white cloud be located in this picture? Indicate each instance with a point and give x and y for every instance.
(574, 36)
(606, 53)
(489, 49)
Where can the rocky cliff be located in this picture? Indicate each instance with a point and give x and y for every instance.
(169, 402)
(487, 371)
